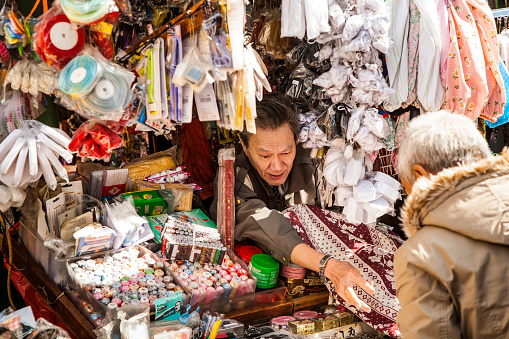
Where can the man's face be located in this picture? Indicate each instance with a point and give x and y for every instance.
(271, 153)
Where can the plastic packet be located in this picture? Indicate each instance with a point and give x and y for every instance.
(61, 248)
(134, 324)
(337, 17)
(353, 172)
(376, 208)
(387, 180)
(194, 71)
(102, 36)
(85, 13)
(389, 193)
(317, 17)
(294, 57)
(81, 74)
(110, 96)
(364, 191)
(300, 86)
(293, 20)
(354, 211)
(342, 195)
(95, 140)
(352, 26)
(56, 40)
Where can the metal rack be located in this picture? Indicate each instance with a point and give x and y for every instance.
(501, 12)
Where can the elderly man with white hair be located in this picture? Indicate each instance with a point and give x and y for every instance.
(452, 273)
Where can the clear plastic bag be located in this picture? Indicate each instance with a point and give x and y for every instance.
(135, 322)
(45, 329)
(317, 17)
(194, 71)
(95, 140)
(293, 20)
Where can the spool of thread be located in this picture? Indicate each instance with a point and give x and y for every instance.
(227, 291)
(219, 293)
(116, 301)
(235, 287)
(211, 291)
(292, 271)
(242, 288)
(112, 306)
(303, 315)
(281, 323)
(144, 300)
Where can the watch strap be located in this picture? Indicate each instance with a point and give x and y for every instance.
(322, 265)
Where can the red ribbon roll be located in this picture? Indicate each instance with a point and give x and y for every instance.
(58, 42)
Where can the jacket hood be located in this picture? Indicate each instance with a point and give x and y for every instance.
(471, 199)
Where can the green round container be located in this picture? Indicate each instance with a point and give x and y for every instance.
(265, 269)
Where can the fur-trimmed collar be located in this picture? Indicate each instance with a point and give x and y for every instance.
(428, 194)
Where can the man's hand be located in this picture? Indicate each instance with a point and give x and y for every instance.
(343, 275)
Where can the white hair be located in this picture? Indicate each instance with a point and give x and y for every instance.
(439, 140)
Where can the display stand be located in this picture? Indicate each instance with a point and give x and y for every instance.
(81, 328)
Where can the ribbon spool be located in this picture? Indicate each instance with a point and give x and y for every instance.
(110, 95)
(85, 12)
(80, 75)
(59, 41)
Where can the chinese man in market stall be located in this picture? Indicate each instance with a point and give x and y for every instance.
(451, 274)
(273, 173)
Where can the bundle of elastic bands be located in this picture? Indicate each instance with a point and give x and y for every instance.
(80, 76)
(85, 12)
(57, 41)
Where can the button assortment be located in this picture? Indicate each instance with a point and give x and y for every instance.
(125, 278)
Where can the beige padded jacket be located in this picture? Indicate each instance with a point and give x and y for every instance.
(452, 275)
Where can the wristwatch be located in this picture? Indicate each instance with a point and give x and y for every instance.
(322, 264)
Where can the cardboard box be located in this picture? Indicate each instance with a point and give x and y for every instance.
(326, 322)
(300, 287)
(345, 318)
(301, 326)
(154, 202)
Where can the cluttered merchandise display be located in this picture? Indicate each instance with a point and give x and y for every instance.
(115, 118)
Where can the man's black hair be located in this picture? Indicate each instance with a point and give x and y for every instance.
(273, 112)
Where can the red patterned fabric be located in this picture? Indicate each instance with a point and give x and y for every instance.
(370, 249)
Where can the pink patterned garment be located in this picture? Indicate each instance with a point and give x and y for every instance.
(474, 84)
(413, 56)
(369, 249)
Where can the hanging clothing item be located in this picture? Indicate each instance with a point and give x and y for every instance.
(369, 249)
(443, 22)
(397, 58)
(197, 156)
(474, 84)
(413, 55)
(503, 44)
(430, 90)
(505, 117)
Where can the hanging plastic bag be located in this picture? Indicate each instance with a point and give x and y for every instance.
(56, 40)
(293, 20)
(95, 140)
(317, 17)
(194, 71)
